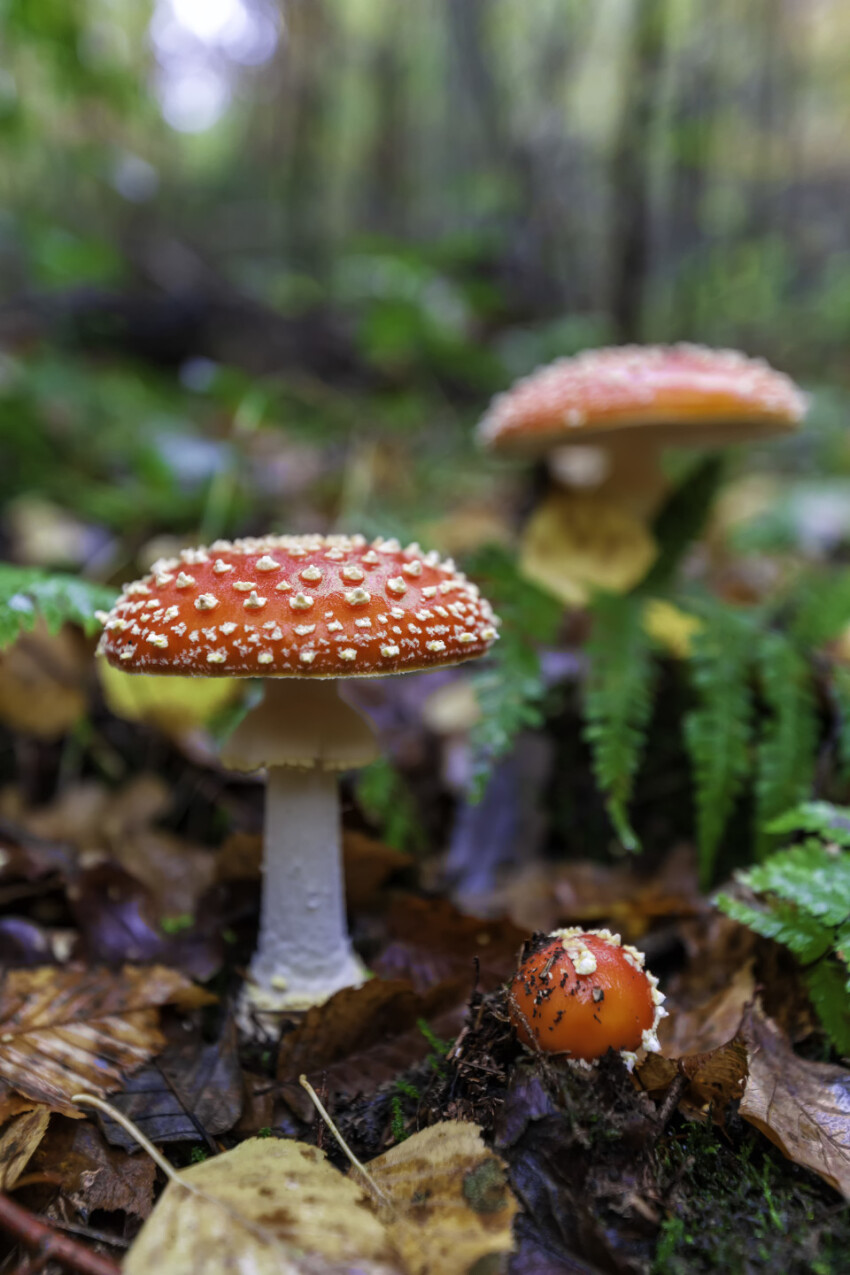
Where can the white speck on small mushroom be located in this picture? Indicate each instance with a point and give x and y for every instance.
(157, 639)
(254, 602)
(267, 563)
(348, 653)
(283, 587)
(358, 597)
(397, 613)
(363, 623)
(311, 574)
(370, 559)
(220, 566)
(353, 573)
(275, 635)
(435, 646)
(335, 555)
(397, 585)
(127, 653)
(424, 615)
(216, 657)
(171, 614)
(307, 657)
(139, 589)
(335, 626)
(303, 629)
(228, 627)
(243, 586)
(301, 602)
(389, 651)
(489, 634)
(164, 577)
(412, 568)
(265, 657)
(466, 638)
(180, 628)
(206, 602)
(429, 591)
(388, 546)
(184, 581)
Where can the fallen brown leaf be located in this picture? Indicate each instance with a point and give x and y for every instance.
(356, 1020)
(711, 1023)
(90, 1173)
(72, 1029)
(713, 1079)
(42, 683)
(803, 1107)
(18, 1142)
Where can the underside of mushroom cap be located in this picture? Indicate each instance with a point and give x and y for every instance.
(683, 394)
(296, 606)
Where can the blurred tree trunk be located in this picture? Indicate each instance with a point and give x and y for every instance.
(632, 170)
(387, 182)
(309, 81)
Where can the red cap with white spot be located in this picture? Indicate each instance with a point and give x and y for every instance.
(295, 606)
(671, 395)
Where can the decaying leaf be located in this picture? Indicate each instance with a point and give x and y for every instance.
(275, 1207)
(261, 1208)
(176, 705)
(42, 683)
(72, 1029)
(803, 1107)
(451, 1203)
(90, 1173)
(712, 1022)
(713, 1079)
(18, 1142)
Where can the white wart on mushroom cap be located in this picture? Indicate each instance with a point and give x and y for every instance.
(310, 605)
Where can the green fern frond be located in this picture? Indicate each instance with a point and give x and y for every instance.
(718, 731)
(510, 689)
(27, 595)
(839, 693)
(619, 702)
(786, 752)
(821, 609)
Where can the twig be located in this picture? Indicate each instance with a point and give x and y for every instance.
(48, 1244)
(322, 1110)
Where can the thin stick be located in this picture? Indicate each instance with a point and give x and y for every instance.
(34, 1234)
(322, 1110)
(90, 1100)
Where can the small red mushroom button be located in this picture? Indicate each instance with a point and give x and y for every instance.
(584, 992)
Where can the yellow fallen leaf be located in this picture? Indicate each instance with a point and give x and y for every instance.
(574, 544)
(174, 704)
(671, 627)
(437, 1203)
(261, 1208)
(18, 1141)
(62, 1030)
(451, 1206)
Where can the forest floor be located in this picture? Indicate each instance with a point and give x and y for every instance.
(129, 888)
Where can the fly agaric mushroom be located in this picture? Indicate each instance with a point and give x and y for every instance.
(312, 608)
(632, 402)
(582, 993)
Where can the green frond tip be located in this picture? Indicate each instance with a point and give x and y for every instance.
(27, 595)
(821, 818)
(718, 730)
(786, 751)
(619, 702)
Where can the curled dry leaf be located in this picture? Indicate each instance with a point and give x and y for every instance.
(803, 1107)
(276, 1207)
(18, 1142)
(713, 1079)
(66, 1030)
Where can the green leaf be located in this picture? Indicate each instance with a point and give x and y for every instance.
(827, 986)
(786, 753)
(822, 609)
(680, 520)
(839, 689)
(510, 689)
(783, 922)
(813, 876)
(619, 702)
(819, 817)
(27, 595)
(718, 730)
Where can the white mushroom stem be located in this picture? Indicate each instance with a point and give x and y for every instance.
(304, 734)
(303, 954)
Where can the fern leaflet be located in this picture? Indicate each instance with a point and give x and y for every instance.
(786, 752)
(619, 702)
(718, 730)
(27, 594)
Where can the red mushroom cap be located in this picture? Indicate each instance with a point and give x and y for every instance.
(294, 606)
(583, 993)
(682, 394)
